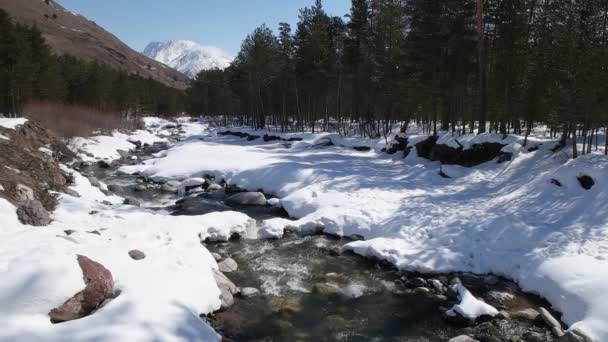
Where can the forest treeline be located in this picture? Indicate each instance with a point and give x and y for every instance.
(461, 65)
(30, 72)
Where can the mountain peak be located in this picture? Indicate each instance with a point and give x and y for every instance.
(187, 56)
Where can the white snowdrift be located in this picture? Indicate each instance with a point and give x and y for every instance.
(507, 219)
(11, 123)
(161, 296)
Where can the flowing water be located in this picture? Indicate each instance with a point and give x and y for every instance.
(310, 291)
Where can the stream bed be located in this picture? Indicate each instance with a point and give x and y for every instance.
(310, 291)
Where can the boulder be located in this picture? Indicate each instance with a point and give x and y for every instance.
(24, 193)
(249, 292)
(215, 187)
(216, 256)
(551, 321)
(586, 181)
(227, 289)
(102, 164)
(136, 254)
(94, 182)
(246, 198)
(99, 288)
(33, 213)
(132, 201)
(526, 314)
(228, 266)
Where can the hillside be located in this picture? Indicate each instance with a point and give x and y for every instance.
(68, 33)
(188, 57)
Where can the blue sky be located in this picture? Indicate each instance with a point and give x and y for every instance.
(221, 23)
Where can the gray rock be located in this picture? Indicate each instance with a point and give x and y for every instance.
(437, 285)
(24, 193)
(216, 256)
(72, 193)
(249, 292)
(463, 338)
(136, 254)
(227, 289)
(574, 335)
(491, 280)
(503, 315)
(226, 298)
(99, 288)
(33, 213)
(117, 189)
(168, 188)
(551, 321)
(227, 266)
(102, 164)
(215, 187)
(94, 182)
(532, 336)
(223, 282)
(141, 187)
(527, 314)
(418, 282)
(246, 198)
(422, 290)
(132, 201)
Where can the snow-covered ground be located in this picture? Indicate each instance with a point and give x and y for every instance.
(161, 297)
(507, 219)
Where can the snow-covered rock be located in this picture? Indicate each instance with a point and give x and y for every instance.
(246, 198)
(470, 307)
(188, 57)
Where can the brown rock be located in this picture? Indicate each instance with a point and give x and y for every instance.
(99, 287)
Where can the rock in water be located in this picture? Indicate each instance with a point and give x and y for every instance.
(462, 338)
(33, 214)
(99, 287)
(246, 198)
(136, 254)
(227, 289)
(228, 265)
(249, 292)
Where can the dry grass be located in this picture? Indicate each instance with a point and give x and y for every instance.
(70, 121)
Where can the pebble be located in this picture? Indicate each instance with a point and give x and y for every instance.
(137, 254)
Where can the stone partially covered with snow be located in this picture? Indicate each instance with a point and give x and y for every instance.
(99, 286)
(227, 265)
(246, 198)
(221, 226)
(469, 306)
(189, 184)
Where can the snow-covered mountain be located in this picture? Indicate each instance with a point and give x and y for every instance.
(187, 56)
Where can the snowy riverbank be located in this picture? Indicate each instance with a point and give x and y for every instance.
(508, 219)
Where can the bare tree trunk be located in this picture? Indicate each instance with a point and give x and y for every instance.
(482, 68)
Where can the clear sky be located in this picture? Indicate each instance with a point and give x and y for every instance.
(221, 23)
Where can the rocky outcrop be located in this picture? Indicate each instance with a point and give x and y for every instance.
(30, 165)
(477, 154)
(99, 289)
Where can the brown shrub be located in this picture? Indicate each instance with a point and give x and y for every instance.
(72, 120)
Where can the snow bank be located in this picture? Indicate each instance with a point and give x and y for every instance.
(507, 219)
(107, 147)
(161, 296)
(12, 123)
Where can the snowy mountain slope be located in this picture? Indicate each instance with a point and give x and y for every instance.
(188, 57)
